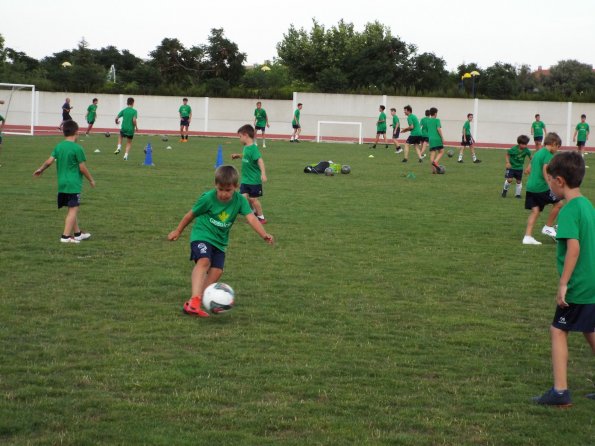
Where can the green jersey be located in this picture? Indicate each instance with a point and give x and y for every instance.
(577, 221)
(2, 118)
(413, 122)
(214, 218)
(423, 124)
(395, 122)
(538, 127)
(467, 128)
(582, 128)
(260, 116)
(517, 157)
(185, 111)
(91, 113)
(296, 117)
(537, 183)
(68, 156)
(250, 169)
(128, 115)
(381, 124)
(432, 125)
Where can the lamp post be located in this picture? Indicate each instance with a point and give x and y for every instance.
(473, 74)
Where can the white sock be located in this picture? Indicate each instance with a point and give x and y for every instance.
(519, 188)
(474, 157)
(119, 146)
(506, 185)
(261, 216)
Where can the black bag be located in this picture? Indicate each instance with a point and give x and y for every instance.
(317, 168)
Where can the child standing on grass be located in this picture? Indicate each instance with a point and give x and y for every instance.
(396, 125)
(295, 124)
(381, 127)
(435, 139)
(128, 128)
(2, 121)
(468, 141)
(253, 170)
(414, 138)
(581, 134)
(215, 212)
(70, 163)
(575, 297)
(185, 112)
(515, 162)
(91, 115)
(261, 122)
(538, 191)
(537, 130)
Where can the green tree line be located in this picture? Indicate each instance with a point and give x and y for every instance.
(337, 59)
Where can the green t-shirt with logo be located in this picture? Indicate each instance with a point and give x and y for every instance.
(91, 113)
(467, 128)
(537, 183)
(381, 124)
(250, 169)
(582, 129)
(413, 122)
(185, 111)
(261, 117)
(577, 221)
(214, 218)
(538, 127)
(423, 124)
(433, 124)
(395, 122)
(296, 117)
(127, 115)
(68, 156)
(517, 157)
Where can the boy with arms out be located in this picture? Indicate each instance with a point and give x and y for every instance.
(515, 162)
(91, 115)
(381, 127)
(575, 297)
(435, 139)
(538, 193)
(581, 134)
(253, 170)
(414, 138)
(215, 212)
(538, 130)
(70, 164)
(185, 112)
(261, 121)
(128, 116)
(468, 141)
(396, 125)
(295, 123)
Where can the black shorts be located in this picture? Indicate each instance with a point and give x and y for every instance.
(200, 250)
(253, 190)
(124, 135)
(91, 122)
(69, 200)
(381, 132)
(467, 141)
(413, 140)
(256, 128)
(539, 199)
(66, 117)
(538, 138)
(185, 122)
(396, 132)
(432, 149)
(296, 126)
(425, 139)
(575, 317)
(581, 143)
(517, 174)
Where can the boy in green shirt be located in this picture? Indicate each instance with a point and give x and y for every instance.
(215, 212)
(91, 115)
(70, 164)
(261, 121)
(253, 170)
(435, 139)
(128, 116)
(381, 127)
(2, 121)
(425, 139)
(185, 112)
(575, 297)
(468, 141)
(295, 123)
(414, 138)
(538, 130)
(538, 193)
(515, 162)
(396, 125)
(581, 134)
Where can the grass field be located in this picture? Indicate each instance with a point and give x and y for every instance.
(391, 311)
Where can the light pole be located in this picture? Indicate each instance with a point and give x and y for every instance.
(473, 74)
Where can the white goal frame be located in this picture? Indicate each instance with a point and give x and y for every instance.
(6, 108)
(358, 124)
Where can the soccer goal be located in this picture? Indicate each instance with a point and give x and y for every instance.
(339, 131)
(17, 105)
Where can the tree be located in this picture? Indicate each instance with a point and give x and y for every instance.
(570, 77)
(175, 63)
(429, 72)
(500, 81)
(224, 59)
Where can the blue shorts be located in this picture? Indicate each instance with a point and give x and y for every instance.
(185, 122)
(381, 132)
(539, 199)
(575, 317)
(517, 174)
(425, 139)
(296, 126)
(91, 122)
(581, 143)
(256, 128)
(538, 138)
(413, 140)
(467, 141)
(124, 135)
(396, 132)
(204, 250)
(69, 200)
(253, 190)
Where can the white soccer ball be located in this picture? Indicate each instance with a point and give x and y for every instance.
(218, 298)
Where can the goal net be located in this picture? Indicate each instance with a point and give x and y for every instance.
(17, 106)
(339, 131)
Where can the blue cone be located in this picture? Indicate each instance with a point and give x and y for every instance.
(219, 161)
(148, 155)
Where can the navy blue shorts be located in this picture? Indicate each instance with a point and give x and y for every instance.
(91, 122)
(381, 132)
(517, 174)
(69, 200)
(432, 149)
(467, 141)
(201, 250)
(396, 132)
(124, 135)
(185, 122)
(66, 117)
(425, 139)
(253, 190)
(413, 140)
(256, 128)
(539, 199)
(296, 126)
(581, 143)
(538, 138)
(575, 317)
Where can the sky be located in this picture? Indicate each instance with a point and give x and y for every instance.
(536, 33)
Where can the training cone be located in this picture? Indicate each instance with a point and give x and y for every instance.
(219, 161)
(148, 155)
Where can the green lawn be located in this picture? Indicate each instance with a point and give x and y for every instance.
(391, 311)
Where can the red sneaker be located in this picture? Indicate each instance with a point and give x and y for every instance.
(192, 307)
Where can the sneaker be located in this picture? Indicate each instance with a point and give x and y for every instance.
(436, 166)
(192, 307)
(517, 196)
(264, 146)
(591, 396)
(404, 160)
(83, 236)
(548, 230)
(399, 150)
(476, 161)
(291, 140)
(386, 147)
(554, 398)
(69, 240)
(528, 240)
(504, 192)
(262, 220)
(118, 150)
(126, 157)
(459, 161)
(420, 160)
(296, 140)
(373, 146)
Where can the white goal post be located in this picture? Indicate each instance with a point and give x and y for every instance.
(339, 138)
(18, 108)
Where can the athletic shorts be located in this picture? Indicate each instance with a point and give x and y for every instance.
(581, 143)
(517, 174)
(575, 317)
(425, 139)
(396, 132)
(91, 122)
(184, 122)
(538, 138)
(200, 250)
(467, 141)
(259, 128)
(68, 200)
(539, 199)
(433, 149)
(253, 190)
(124, 135)
(413, 140)
(381, 132)
(296, 126)
(66, 117)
